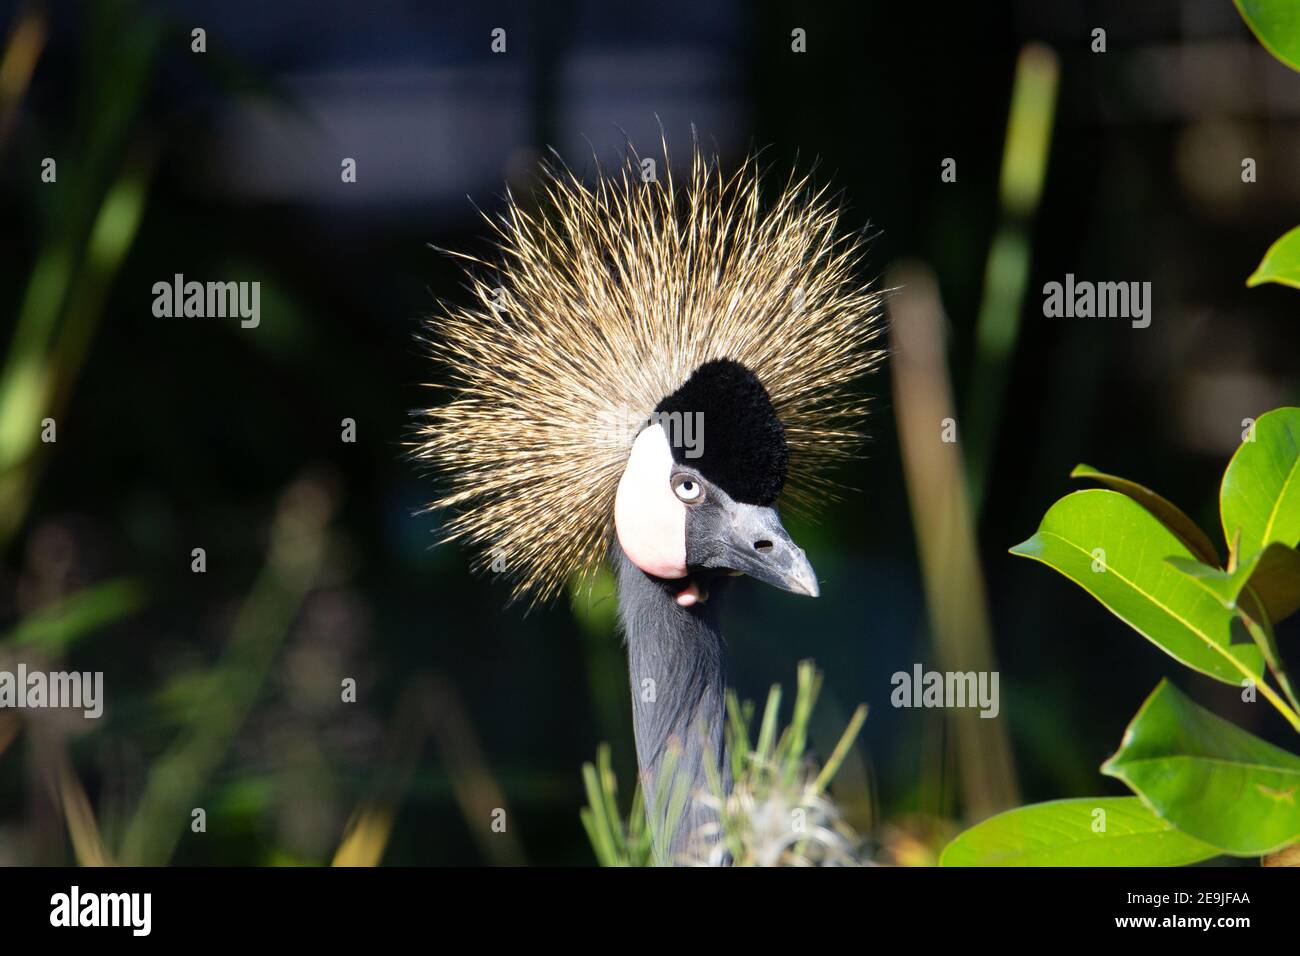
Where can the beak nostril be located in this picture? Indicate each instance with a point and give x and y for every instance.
(762, 547)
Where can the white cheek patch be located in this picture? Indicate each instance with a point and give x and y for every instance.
(648, 517)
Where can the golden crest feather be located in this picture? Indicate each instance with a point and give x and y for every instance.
(603, 300)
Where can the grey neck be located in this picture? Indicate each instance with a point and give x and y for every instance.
(677, 669)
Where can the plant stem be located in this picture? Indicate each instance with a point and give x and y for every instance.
(1291, 717)
(1284, 681)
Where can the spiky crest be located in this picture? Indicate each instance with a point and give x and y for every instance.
(603, 301)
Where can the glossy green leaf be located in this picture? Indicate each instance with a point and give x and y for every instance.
(1115, 549)
(1276, 24)
(1230, 588)
(1260, 494)
(1164, 510)
(1209, 777)
(1276, 581)
(1224, 586)
(1281, 263)
(1074, 833)
(1273, 575)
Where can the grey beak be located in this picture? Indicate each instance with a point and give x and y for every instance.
(755, 543)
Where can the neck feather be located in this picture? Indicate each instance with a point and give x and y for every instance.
(677, 670)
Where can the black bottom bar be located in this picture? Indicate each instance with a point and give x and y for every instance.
(333, 907)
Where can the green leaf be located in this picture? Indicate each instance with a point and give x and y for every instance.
(1223, 586)
(1061, 833)
(1281, 264)
(1136, 584)
(1209, 777)
(1273, 575)
(1164, 510)
(1276, 24)
(1260, 494)
(1230, 589)
(1276, 581)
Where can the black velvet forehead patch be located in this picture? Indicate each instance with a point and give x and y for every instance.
(741, 446)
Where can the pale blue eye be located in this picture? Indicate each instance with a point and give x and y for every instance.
(688, 490)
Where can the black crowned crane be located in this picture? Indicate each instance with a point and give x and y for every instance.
(729, 336)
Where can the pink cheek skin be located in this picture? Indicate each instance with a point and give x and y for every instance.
(648, 518)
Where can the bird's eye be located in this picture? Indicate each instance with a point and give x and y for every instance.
(687, 488)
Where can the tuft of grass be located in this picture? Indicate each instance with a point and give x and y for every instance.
(776, 811)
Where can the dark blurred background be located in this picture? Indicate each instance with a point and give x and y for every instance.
(223, 687)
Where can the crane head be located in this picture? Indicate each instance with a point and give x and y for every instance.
(722, 333)
(699, 491)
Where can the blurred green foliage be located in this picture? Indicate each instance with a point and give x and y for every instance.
(1208, 782)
